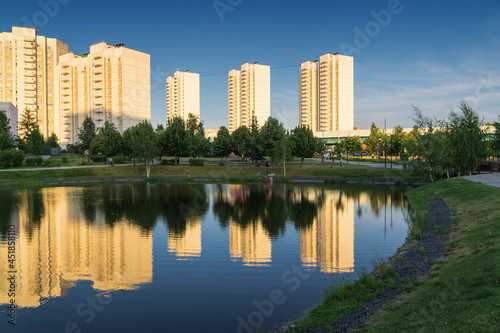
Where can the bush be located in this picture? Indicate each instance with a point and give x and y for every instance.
(11, 158)
(30, 162)
(51, 163)
(38, 161)
(98, 158)
(120, 160)
(404, 157)
(85, 161)
(196, 162)
(64, 159)
(168, 162)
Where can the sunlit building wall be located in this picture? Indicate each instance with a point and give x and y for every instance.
(327, 93)
(249, 94)
(188, 243)
(329, 241)
(10, 112)
(183, 95)
(54, 252)
(27, 75)
(110, 83)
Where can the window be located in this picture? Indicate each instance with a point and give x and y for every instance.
(9, 71)
(40, 86)
(49, 88)
(50, 108)
(9, 85)
(50, 94)
(49, 81)
(40, 100)
(9, 78)
(39, 66)
(8, 57)
(51, 121)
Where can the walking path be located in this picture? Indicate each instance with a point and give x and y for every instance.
(490, 179)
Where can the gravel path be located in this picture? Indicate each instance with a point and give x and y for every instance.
(413, 263)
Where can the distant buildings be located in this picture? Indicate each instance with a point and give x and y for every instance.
(326, 93)
(11, 112)
(249, 94)
(60, 88)
(183, 95)
(110, 83)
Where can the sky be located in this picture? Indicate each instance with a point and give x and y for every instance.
(407, 53)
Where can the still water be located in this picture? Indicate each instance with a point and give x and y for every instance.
(184, 257)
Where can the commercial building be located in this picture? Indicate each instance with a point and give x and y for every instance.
(327, 93)
(249, 94)
(110, 83)
(11, 112)
(183, 95)
(27, 74)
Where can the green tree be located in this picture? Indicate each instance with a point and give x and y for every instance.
(256, 141)
(36, 143)
(86, 133)
(354, 144)
(108, 142)
(53, 141)
(374, 139)
(496, 139)
(176, 142)
(305, 144)
(397, 141)
(6, 139)
(272, 131)
(127, 142)
(144, 144)
(410, 140)
(199, 144)
(193, 124)
(223, 144)
(283, 151)
(242, 141)
(466, 139)
(25, 127)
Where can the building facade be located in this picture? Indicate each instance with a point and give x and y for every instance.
(11, 112)
(183, 95)
(110, 83)
(249, 94)
(27, 74)
(327, 93)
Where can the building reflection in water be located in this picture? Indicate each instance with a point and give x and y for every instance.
(186, 244)
(55, 248)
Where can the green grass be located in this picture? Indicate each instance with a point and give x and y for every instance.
(462, 294)
(205, 171)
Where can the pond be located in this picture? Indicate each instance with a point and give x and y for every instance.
(184, 257)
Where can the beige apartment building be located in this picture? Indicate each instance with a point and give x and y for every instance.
(110, 83)
(27, 74)
(183, 95)
(327, 93)
(249, 94)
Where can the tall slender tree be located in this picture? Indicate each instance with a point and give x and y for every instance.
(6, 139)
(223, 144)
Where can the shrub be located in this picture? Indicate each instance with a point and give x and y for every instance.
(64, 159)
(85, 161)
(196, 162)
(30, 162)
(51, 163)
(38, 161)
(404, 157)
(98, 158)
(11, 158)
(120, 160)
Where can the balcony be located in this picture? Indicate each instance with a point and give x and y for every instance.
(30, 73)
(30, 101)
(29, 59)
(97, 62)
(29, 87)
(29, 45)
(29, 52)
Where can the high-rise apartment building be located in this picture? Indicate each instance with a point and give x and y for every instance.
(327, 93)
(183, 95)
(249, 94)
(110, 83)
(27, 74)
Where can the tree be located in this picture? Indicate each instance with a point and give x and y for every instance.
(256, 141)
(374, 139)
(283, 151)
(242, 140)
(36, 142)
(144, 144)
(199, 144)
(410, 140)
(496, 140)
(305, 144)
(193, 124)
(25, 127)
(52, 141)
(108, 142)
(127, 143)
(272, 131)
(465, 135)
(223, 144)
(176, 142)
(398, 139)
(87, 133)
(353, 144)
(6, 139)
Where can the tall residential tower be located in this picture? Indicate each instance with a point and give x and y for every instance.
(249, 94)
(327, 93)
(183, 95)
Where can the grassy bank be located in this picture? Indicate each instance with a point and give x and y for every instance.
(462, 292)
(206, 171)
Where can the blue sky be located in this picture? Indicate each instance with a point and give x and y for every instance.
(429, 54)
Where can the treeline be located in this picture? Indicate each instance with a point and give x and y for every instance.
(182, 138)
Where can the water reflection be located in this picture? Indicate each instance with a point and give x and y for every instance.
(103, 233)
